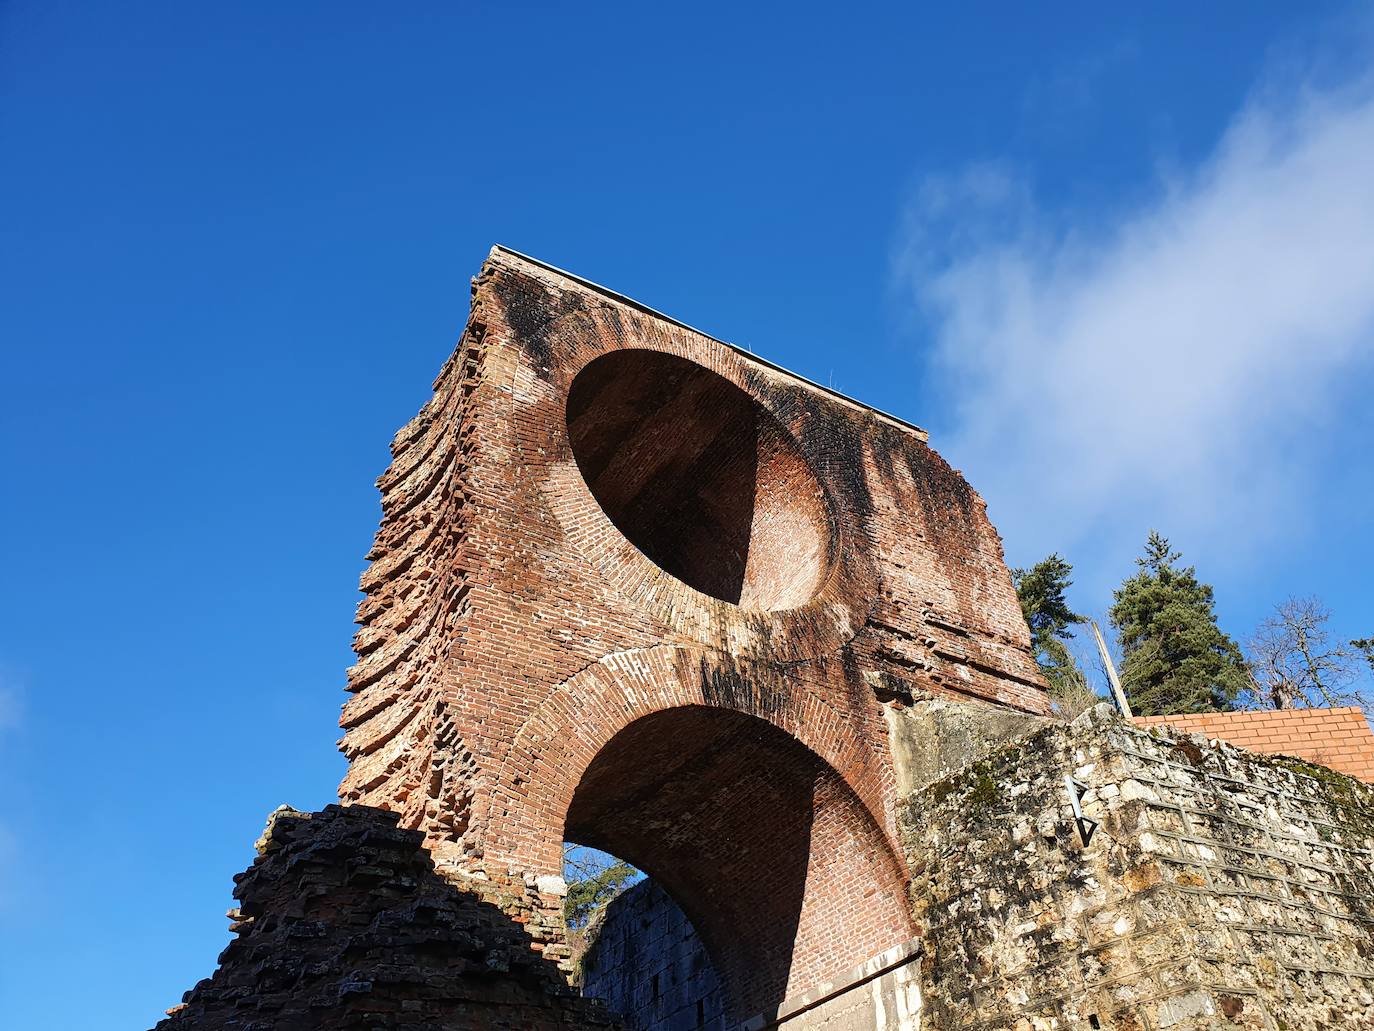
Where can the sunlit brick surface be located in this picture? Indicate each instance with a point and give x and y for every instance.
(610, 543)
(1336, 738)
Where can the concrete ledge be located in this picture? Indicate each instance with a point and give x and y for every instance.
(869, 970)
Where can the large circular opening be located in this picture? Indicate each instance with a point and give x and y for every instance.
(701, 478)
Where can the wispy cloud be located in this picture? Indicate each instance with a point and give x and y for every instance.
(1165, 365)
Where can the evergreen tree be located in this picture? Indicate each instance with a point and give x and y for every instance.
(594, 879)
(1366, 647)
(1041, 591)
(1176, 657)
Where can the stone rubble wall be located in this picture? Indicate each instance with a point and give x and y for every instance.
(1219, 889)
(1339, 739)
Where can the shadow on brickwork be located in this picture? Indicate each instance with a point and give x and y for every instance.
(717, 808)
(343, 922)
(646, 962)
(671, 452)
(773, 860)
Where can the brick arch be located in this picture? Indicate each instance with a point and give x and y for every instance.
(559, 740)
(775, 838)
(510, 631)
(778, 864)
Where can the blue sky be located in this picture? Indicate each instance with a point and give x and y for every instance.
(1118, 264)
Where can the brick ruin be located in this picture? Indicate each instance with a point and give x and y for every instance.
(639, 589)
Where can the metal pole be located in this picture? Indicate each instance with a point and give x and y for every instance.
(1118, 694)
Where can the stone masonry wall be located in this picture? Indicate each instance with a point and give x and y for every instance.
(1219, 889)
(646, 963)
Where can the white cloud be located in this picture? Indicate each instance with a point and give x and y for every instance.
(1176, 364)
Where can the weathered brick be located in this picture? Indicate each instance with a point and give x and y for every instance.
(605, 523)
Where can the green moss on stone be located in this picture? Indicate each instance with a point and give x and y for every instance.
(983, 790)
(1351, 803)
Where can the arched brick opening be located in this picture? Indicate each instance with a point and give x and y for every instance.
(701, 478)
(777, 863)
(523, 814)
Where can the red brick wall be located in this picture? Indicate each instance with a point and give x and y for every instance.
(1336, 738)
(511, 630)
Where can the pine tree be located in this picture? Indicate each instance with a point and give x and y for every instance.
(1041, 591)
(1366, 647)
(594, 879)
(1176, 657)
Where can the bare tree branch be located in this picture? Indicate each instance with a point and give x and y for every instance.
(1295, 663)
